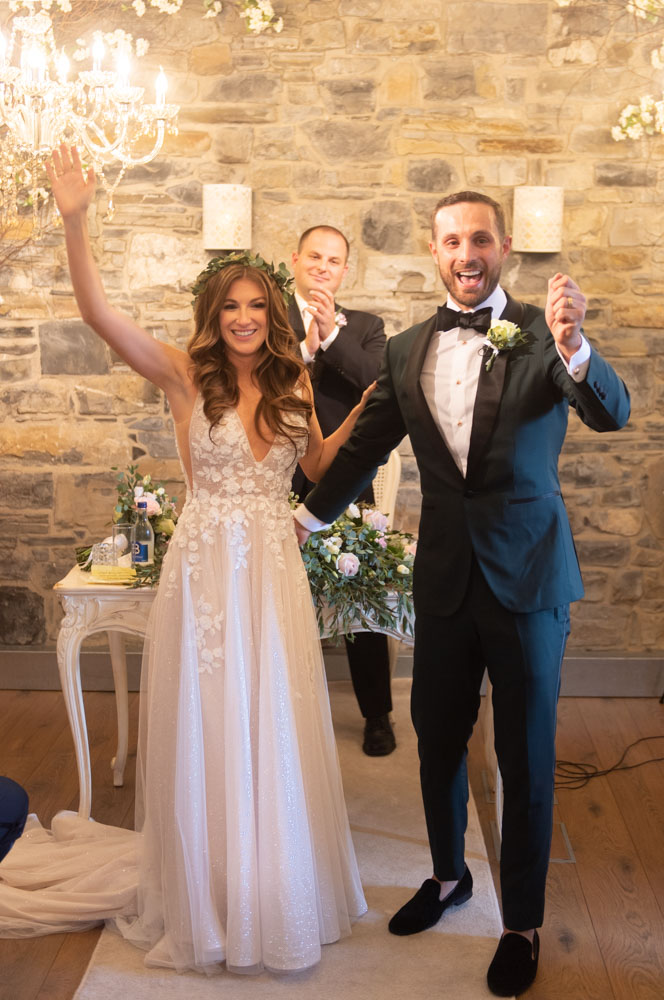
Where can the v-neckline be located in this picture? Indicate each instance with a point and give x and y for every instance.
(258, 461)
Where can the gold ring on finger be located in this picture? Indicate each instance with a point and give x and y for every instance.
(570, 301)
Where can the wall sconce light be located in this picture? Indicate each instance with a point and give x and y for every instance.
(226, 217)
(537, 225)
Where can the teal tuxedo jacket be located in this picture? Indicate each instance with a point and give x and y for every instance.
(508, 510)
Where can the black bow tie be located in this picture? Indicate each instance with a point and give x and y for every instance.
(450, 318)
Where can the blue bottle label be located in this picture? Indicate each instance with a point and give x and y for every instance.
(139, 552)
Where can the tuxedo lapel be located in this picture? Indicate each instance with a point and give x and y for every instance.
(295, 320)
(489, 392)
(423, 414)
(513, 311)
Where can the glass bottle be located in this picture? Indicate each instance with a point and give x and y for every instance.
(142, 550)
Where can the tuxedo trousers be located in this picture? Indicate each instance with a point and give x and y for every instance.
(523, 655)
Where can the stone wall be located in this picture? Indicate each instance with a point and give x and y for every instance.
(360, 114)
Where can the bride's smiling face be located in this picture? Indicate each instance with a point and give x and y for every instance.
(243, 319)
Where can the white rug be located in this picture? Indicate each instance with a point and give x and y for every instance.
(386, 817)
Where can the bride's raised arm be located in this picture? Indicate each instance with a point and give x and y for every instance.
(73, 191)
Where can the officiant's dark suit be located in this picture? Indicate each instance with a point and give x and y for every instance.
(495, 571)
(339, 375)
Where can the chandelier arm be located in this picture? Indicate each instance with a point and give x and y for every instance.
(103, 150)
(129, 161)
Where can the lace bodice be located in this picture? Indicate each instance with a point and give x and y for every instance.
(229, 488)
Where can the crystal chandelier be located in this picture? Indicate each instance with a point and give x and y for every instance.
(40, 107)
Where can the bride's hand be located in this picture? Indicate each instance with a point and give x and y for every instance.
(72, 191)
(365, 395)
(301, 533)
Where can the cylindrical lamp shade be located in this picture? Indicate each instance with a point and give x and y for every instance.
(226, 217)
(538, 219)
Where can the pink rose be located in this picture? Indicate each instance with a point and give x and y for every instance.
(382, 541)
(154, 507)
(375, 519)
(411, 548)
(348, 564)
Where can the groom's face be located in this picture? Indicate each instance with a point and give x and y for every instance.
(469, 251)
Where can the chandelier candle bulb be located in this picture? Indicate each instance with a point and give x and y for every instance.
(122, 70)
(97, 55)
(63, 67)
(161, 87)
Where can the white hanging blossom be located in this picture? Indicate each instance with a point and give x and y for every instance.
(637, 120)
(260, 16)
(651, 10)
(139, 7)
(114, 41)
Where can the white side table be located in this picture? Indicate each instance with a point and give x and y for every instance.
(89, 608)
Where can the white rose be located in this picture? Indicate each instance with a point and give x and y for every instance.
(348, 564)
(353, 510)
(403, 569)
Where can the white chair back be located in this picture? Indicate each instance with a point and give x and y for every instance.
(386, 486)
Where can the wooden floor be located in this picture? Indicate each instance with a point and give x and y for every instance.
(603, 937)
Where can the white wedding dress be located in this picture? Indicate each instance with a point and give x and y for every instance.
(245, 855)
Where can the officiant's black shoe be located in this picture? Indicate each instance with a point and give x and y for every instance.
(378, 736)
(425, 908)
(514, 965)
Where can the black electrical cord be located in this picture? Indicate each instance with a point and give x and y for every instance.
(571, 774)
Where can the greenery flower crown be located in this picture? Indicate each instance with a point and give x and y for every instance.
(281, 276)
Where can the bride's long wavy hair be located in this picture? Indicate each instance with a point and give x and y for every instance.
(278, 371)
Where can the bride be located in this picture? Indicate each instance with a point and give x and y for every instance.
(244, 854)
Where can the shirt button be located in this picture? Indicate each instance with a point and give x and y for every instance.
(459, 423)
(458, 381)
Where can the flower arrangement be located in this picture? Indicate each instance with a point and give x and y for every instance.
(162, 514)
(360, 570)
(502, 336)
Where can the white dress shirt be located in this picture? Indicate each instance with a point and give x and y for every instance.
(449, 379)
(307, 317)
(451, 371)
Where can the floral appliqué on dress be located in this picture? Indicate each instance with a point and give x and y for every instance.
(232, 496)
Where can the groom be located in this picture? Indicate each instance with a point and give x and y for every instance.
(496, 567)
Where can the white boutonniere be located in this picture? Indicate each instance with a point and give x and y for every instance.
(502, 336)
(340, 319)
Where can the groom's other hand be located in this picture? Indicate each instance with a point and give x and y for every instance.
(565, 312)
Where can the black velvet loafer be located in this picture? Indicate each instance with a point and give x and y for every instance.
(514, 965)
(425, 908)
(378, 736)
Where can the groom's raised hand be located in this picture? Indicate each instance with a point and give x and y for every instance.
(565, 311)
